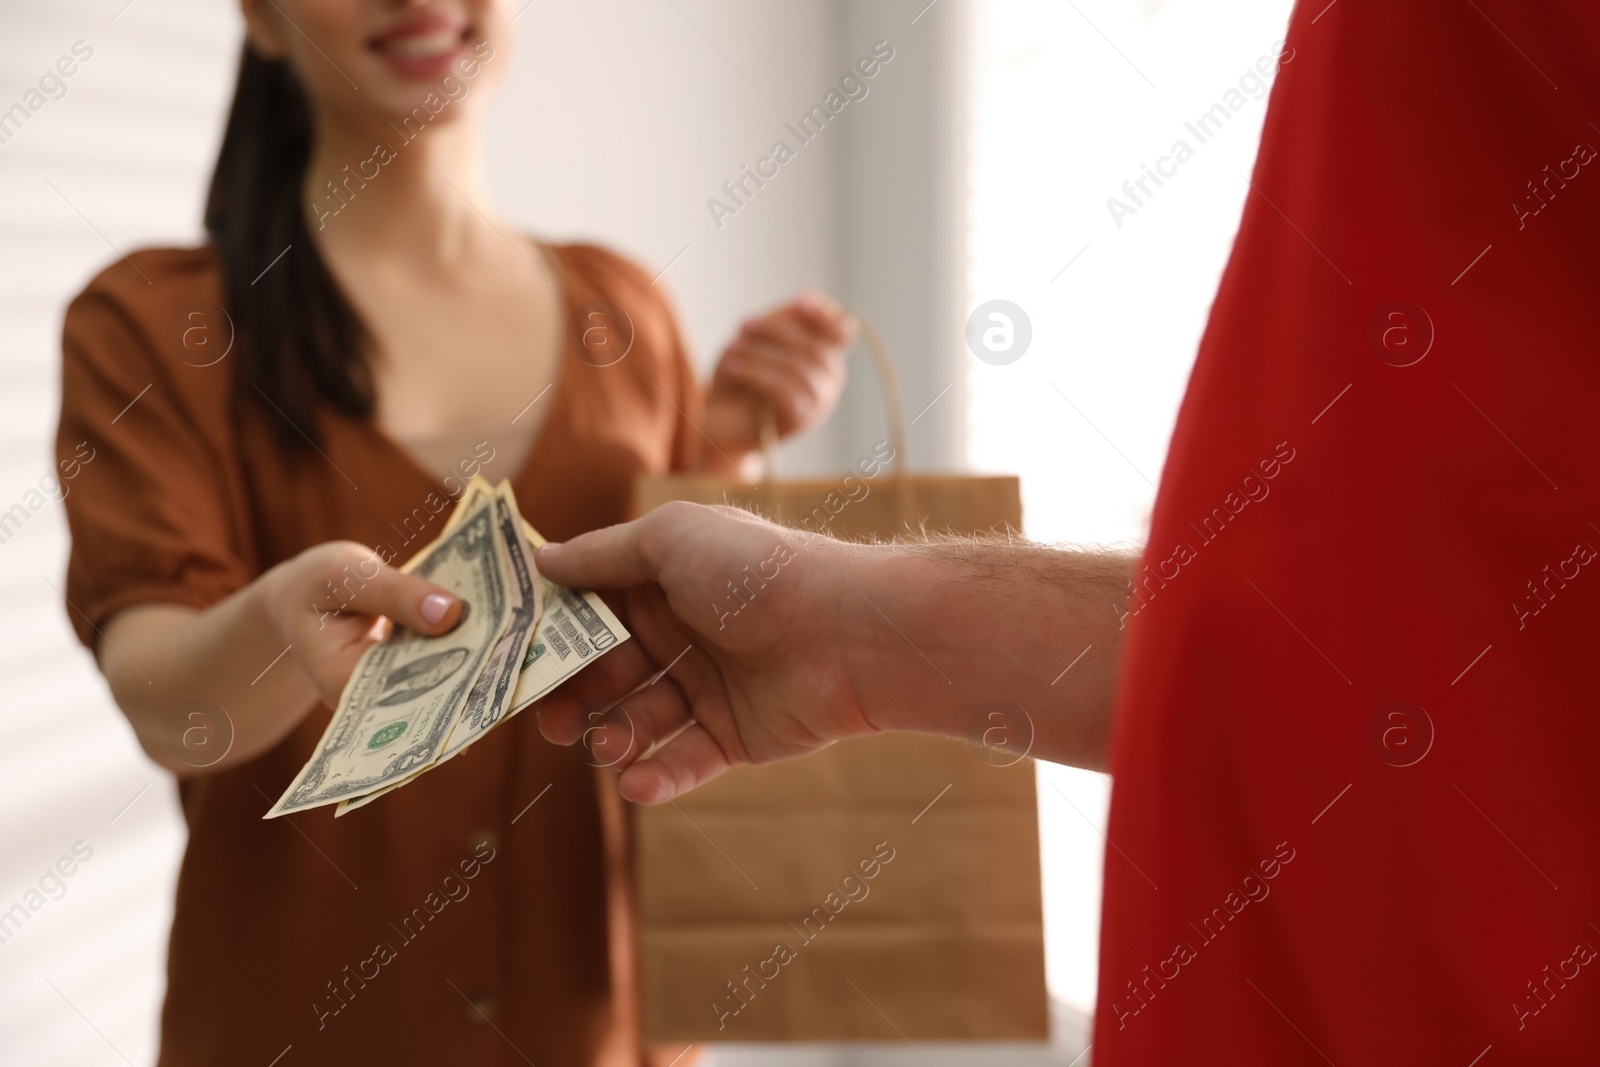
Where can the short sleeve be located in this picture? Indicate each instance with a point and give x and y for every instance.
(667, 372)
(147, 493)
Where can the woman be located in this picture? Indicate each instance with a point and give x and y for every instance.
(272, 410)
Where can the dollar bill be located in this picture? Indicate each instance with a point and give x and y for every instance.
(478, 488)
(403, 699)
(490, 696)
(577, 628)
(553, 656)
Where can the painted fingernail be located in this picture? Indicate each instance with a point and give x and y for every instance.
(434, 606)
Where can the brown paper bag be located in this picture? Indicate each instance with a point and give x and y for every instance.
(885, 889)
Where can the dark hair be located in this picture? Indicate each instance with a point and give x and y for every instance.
(298, 337)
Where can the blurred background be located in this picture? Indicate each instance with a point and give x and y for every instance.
(977, 168)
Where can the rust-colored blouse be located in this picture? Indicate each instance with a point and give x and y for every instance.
(481, 915)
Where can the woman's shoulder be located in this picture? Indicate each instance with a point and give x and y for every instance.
(598, 264)
(153, 275)
(599, 279)
(168, 297)
(150, 319)
(146, 287)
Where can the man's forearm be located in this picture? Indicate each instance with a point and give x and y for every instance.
(961, 637)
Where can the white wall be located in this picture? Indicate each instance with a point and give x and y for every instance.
(126, 150)
(622, 117)
(903, 222)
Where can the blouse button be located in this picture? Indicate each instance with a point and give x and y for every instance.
(480, 1008)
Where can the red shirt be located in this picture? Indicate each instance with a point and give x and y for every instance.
(1356, 743)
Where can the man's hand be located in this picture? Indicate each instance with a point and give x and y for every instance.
(771, 643)
(740, 614)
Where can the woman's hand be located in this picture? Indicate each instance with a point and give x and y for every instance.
(210, 689)
(791, 358)
(334, 600)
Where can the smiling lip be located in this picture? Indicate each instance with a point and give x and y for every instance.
(420, 48)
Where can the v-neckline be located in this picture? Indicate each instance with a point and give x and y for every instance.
(551, 392)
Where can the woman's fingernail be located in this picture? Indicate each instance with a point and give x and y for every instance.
(434, 606)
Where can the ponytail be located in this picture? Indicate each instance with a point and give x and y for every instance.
(298, 337)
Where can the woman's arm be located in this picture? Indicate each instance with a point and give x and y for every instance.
(264, 656)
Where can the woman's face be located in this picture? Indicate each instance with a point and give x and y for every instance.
(375, 61)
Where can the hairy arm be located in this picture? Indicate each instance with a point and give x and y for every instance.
(943, 638)
(775, 643)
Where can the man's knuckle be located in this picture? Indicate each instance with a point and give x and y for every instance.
(654, 535)
(674, 512)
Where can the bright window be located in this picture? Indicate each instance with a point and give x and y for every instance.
(1069, 101)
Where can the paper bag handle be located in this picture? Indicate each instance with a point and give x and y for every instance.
(889, 385)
